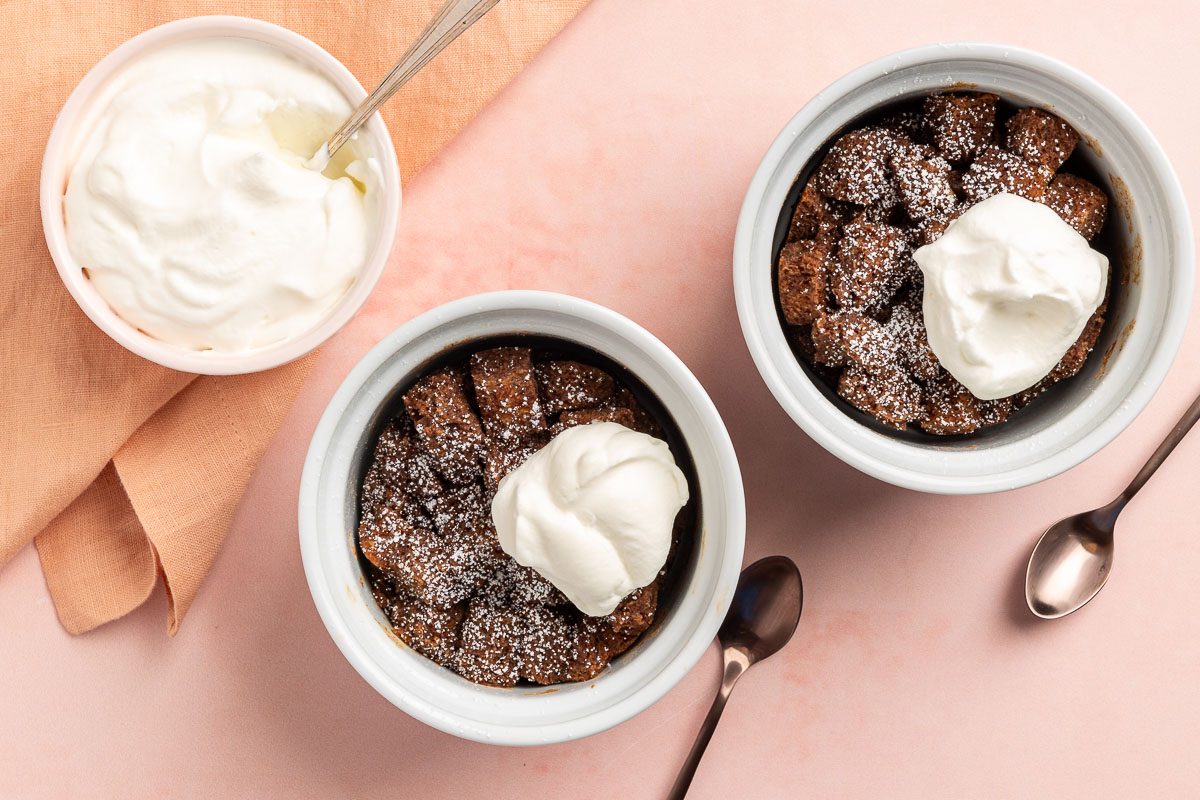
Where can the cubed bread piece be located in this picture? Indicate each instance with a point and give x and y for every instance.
(447, 429)
(805, 346)
(909, 124)
(615, 633)
(826, 334)
(889, 395)
(852, 337)
(907, 329)
(443, 570)
(906, 150)
(810, 210)
(950, 409)
(634, 614)
(962, 124)
(392, 451)
(1076, 356)
(390, 524)
(930, 230)
(801, 338)
(1082, 204)
(548, 649)
(996, 171)
(383, 589)
(604, 638)
(815, 215)
(586, 416)
(923, 183)
(432, 632)
(399, 539)
(588, 658)
(568, 385)
(459, 510)
(529, 588)
(887, 203)
(489, 645)
(872, 262)
(644, 421)
(855, 170)
(1041, 138)
(802, 280)
(506, 393)
(502, 458)
(515, 585)
(400, 461)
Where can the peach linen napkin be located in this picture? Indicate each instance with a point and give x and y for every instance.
(121, 469)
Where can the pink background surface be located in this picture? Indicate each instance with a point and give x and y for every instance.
(613, 169)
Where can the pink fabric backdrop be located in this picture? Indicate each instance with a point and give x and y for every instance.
(613, 169)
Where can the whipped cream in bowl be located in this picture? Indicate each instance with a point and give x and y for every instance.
(179, 209)
(1008, 288)
(593, 512)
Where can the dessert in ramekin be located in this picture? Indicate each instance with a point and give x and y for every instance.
(341, 453)
(1148, 241)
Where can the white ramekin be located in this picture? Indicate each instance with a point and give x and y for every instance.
(1154, 286)
(76, 120)
(328, 513)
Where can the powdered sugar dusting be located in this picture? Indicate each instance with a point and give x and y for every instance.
(849, 290)
(433, 561)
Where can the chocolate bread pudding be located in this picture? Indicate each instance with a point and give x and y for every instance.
(849, 290)
(428, 545)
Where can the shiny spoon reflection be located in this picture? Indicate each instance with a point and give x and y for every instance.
(1072, 561)
(765, 610)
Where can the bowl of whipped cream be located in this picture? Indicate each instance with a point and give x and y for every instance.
(180, 212)
(1004, 291)
(594, 545)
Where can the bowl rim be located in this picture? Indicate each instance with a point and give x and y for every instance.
(56, 167)
(329, 602)
(798, 404)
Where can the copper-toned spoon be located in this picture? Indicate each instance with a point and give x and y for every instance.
(763, 617)
(1071, 562)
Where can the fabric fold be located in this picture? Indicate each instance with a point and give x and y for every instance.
(94, 579)
(121, 469)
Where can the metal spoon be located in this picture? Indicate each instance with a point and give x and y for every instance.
(766, 607)
(1072, 560)
(454, 18)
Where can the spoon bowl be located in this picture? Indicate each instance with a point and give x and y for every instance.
(766, 608)
(1070, 564)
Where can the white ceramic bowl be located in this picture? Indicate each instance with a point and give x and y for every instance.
(328, 519)
(1153, 287)
(76, 120)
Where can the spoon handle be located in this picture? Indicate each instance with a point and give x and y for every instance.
(1156, 460)
(454, 18)
(735, 664)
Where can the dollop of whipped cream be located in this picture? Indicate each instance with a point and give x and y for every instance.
(592, 512)
(1009, 287)
(190, 206)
